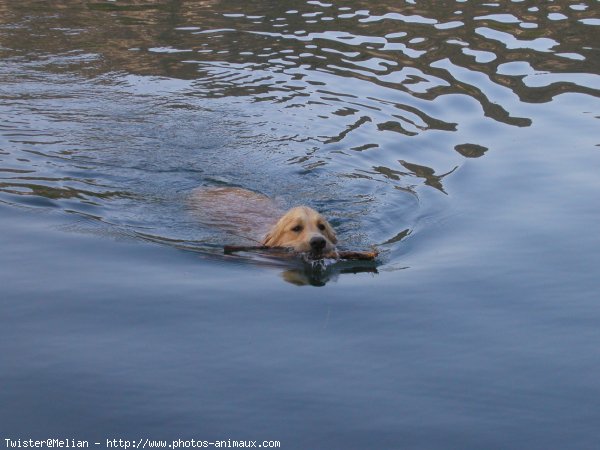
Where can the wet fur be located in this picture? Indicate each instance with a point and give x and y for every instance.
(243, 212)
(297, 227)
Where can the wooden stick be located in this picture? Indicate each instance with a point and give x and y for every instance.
(248, 248)
(358, 255)
(348, 255)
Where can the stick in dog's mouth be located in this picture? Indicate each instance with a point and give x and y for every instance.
(287, 252)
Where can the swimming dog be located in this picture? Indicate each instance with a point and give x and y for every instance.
(241, 212)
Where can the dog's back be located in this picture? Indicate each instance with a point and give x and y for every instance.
(234, 210)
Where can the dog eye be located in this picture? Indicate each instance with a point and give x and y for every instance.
(321, 226)
(297, 229)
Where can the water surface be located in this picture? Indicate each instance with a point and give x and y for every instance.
(461, 140)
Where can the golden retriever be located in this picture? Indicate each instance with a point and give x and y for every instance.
(304, 230)
(240, 212)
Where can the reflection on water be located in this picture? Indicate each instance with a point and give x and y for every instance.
(458, 138)
(117, 109)
(302, 272)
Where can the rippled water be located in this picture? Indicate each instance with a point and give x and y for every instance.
(460, 139)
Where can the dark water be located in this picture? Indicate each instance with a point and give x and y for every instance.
(460, 138)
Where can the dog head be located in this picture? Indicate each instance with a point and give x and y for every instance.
(304, 230)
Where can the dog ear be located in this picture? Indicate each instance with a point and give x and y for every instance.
(329, 231)
(267, 239)
(271, 238)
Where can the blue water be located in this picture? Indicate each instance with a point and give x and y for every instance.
(460, 140)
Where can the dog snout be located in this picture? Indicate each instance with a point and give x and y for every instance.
(317, 243)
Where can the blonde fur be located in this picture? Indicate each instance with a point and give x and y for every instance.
(242, 212)
(297, 227)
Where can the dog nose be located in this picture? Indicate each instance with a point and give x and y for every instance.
(317, 243)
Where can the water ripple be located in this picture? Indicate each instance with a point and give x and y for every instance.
(375, 106)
